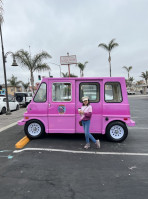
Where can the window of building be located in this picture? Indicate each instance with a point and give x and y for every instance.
(113, 92)
(61, 92)
(91, 90)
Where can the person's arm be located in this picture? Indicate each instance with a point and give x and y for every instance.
(80, 111)
(87, 115)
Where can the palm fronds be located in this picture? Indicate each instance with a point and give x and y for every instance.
(109, 48)
(13, 81)
(82, 67)
(67, 75)
(33, 64)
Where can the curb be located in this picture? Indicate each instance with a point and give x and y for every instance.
(20, 144)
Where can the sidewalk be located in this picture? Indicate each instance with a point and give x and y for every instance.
(11, 120)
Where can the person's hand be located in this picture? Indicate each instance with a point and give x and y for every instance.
(81, 112)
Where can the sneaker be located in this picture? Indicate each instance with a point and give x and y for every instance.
(98, 144)
(87, 146)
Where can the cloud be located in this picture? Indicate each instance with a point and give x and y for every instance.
(78, 27)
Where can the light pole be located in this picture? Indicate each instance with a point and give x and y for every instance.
(57, 65)
(4, 56)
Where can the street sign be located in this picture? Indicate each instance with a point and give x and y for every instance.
(66, 60)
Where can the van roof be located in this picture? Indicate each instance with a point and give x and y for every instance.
(85, 78)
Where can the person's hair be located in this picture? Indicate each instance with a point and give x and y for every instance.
(87, 104)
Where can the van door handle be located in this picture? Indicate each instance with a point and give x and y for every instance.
(49, 105)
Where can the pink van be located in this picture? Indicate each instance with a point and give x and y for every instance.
(54, 107)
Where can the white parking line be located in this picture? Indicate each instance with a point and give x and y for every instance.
(137, 95)
(9, 126)
(80, 152)
(138, 128)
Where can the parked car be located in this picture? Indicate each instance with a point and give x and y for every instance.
(13, 104)
(23, 98)
(129, 92)
(54, 108)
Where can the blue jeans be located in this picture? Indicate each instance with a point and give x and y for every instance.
(86, 125)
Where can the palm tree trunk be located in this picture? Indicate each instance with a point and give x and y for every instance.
(14, 91)
(32, 81)
(82, 74)
(128, 75)
(109, 59)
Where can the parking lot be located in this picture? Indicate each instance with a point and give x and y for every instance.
(57, 166)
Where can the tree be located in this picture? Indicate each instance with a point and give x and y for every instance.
(144, 75)
(109, 48)
(13, 82)
(131, 79)
(82, 67)
(67, 75)
(25, 85)
(128, 70)
(32, 64)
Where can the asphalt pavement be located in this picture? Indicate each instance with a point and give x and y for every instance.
(57, 166)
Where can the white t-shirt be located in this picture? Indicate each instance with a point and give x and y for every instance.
(86, 109)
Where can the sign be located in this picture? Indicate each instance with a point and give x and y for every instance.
(61, 109)
(65, 60)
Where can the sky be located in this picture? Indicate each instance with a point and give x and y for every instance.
(77, 27)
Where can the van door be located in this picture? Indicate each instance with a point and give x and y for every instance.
(92, 89)
(61, 109)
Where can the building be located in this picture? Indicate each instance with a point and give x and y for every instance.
(11, 89)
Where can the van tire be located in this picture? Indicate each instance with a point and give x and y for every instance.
(116, 131)
(34, 129)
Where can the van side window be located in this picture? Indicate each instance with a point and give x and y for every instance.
(113, 92)
(61, 92)
(90, 89)
(41, 95)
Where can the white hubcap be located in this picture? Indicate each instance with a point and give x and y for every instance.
(117, 132)
(34, 129)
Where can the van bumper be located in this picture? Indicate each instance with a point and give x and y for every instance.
(21, 122)
(130, 123)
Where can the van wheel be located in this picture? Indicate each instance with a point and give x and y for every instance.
(34, 129)
(116, 132)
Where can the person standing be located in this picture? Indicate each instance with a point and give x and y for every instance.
(86, 113)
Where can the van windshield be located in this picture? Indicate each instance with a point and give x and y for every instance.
(41, 95)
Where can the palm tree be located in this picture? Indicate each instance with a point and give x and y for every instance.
(32, 64)
(67, 75)
(13, 82)
(82, 67)
(109, 48)
(25, 85)
(145, 76)
(128, 70)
